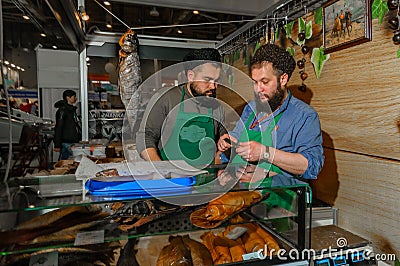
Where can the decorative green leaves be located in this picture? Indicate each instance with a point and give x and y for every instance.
(258, 45)
(318, 59)
(318, 16)
(288, 29)
(379, 10)
(306, 28)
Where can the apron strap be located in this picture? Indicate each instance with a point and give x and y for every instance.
(181, 103)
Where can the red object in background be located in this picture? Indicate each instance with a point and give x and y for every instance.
(26, 107)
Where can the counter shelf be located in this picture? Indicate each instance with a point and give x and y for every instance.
(27, 199)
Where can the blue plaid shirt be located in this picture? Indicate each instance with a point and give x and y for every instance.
(297, 131)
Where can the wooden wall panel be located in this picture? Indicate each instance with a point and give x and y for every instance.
(368, 199)
(358, 96)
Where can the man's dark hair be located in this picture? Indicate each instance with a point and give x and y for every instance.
(68, 93)
(193, 58)
(282, 61)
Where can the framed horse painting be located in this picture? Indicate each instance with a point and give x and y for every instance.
(346, 23)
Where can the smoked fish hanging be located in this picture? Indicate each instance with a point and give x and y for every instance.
(129, 74)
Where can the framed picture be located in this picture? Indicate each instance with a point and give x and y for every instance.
(346, 23)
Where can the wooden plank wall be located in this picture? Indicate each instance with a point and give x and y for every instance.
(358, 101)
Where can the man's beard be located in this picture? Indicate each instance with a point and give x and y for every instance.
(273, 103)
(204, 100)
(197, 93)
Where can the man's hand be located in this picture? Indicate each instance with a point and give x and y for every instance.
(150, 154)
(223, 145)
(251, 151)
(250, 173)
(57, 149)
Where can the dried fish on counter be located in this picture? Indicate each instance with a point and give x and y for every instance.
(107, 173)
(134, 214)
(183, 250)
(176, 253)
(98, 254)
(199, 253)
(225, 207)
(50, 223)
(208, 241)
(129, 74)
(128, 254)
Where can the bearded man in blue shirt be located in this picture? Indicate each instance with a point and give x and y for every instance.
(277, 135)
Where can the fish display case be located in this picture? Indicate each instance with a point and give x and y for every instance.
(55, 219)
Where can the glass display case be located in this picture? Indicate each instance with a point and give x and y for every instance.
(43, 215)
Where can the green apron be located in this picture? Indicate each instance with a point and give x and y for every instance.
(284, 198)
(192, 138)
(264, 138)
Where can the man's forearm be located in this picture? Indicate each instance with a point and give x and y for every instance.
(150, 154)
(294, 163)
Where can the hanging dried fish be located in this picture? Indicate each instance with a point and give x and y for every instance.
(129, 74)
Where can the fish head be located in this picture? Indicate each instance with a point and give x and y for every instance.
(213, 212)
(129, 42)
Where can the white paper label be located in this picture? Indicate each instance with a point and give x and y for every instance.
(236, 232)
(87, 238)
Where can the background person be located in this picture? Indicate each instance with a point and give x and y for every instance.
(68, 127)
(278, 131)
(186, 121)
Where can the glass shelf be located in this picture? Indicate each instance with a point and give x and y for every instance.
(48, 192)
(32, 197)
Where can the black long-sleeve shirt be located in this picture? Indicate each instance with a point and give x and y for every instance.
(68, 128)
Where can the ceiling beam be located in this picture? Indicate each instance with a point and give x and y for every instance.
(239, 7)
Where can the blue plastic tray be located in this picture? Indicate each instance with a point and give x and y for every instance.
(173, 186)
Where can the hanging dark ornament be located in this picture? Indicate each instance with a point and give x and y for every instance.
(394, 23)
(303, 76)
(302, 35)
(302, 87)
(305, 49)
(396, 37)
(301, 63)
(392, 4)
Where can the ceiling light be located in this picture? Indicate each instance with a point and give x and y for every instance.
(54, 47)
(196, 12)
(154, 12)
(106, 3)
(26, 17)
(43, 34)
(18, 67)
(6, 62)
(179, 31)
(84, 16)
(108, 25)
(12, 65)
(22, 69)
(87, 59)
